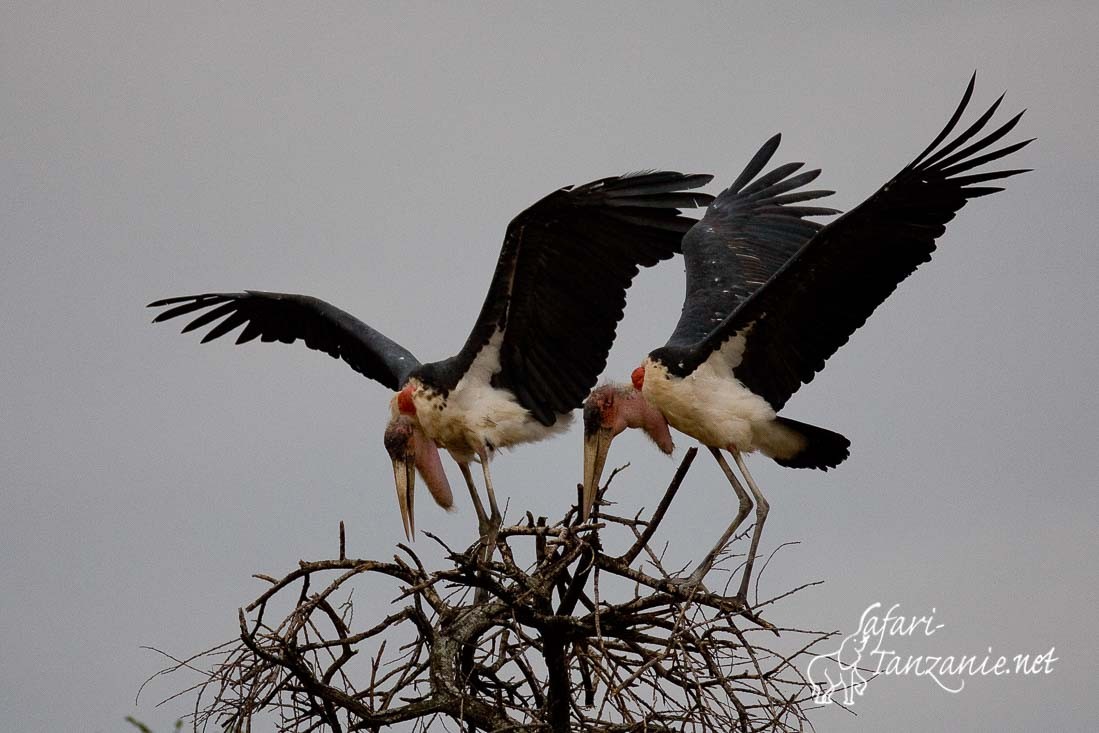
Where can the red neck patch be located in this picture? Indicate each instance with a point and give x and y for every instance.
(638, 378)
(405, 403)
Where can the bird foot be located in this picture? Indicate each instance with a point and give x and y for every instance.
(737, 604)
(490, 530)
(688, 584)
(740, 601)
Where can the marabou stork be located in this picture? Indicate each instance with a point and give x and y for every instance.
(535, 351)
(769, 298)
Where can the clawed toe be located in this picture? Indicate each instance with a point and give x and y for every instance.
(688, 584)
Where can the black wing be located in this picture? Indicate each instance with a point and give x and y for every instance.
(286, 318)
(749, 232)
(560, 284)
(821, 296)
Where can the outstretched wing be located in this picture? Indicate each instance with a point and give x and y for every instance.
(820, 297)
(750, 230)
(560, 284)
(286, 318)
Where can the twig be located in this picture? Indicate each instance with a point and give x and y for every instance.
(642, 653)
(631, 554)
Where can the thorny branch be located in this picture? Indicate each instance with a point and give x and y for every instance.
(573, 639)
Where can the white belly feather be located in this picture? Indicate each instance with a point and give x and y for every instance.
(709, 404)
(477, 417)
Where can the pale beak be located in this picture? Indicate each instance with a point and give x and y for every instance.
(596, 446)
(404, 477)
(412, 452)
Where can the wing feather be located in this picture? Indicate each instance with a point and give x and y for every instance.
(286, 318)
(560, 284)
(813, 304)
(748, 232)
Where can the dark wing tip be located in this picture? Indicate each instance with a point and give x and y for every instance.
(288, 317)
(633, 185)
(694, 180)
(177, 299)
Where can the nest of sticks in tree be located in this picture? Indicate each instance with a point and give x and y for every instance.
(572, 637)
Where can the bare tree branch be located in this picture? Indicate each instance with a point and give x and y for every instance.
(581, 639)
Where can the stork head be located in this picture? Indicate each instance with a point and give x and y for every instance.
(412, 451)
(609, 410)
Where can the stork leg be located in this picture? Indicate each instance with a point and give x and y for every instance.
(484, 526)
(496, 518)
(482, 518)
(745, 507)
(761, 516)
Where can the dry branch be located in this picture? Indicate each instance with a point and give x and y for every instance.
(576, 639)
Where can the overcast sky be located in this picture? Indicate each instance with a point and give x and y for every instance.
(373, 155)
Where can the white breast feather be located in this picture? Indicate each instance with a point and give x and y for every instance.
(478, 415)
(709, 404)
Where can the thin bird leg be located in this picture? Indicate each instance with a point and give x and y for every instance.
(484, 528)
(742, 512)
(761, 516)
(482, 518)
(496, 519)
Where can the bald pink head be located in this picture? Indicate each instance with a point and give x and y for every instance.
(616, 407)
(411, 451)
(607, 412)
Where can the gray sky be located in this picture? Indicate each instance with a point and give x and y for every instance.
(373, 155)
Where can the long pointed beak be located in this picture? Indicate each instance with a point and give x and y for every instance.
(596, 446)
(404, 477)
